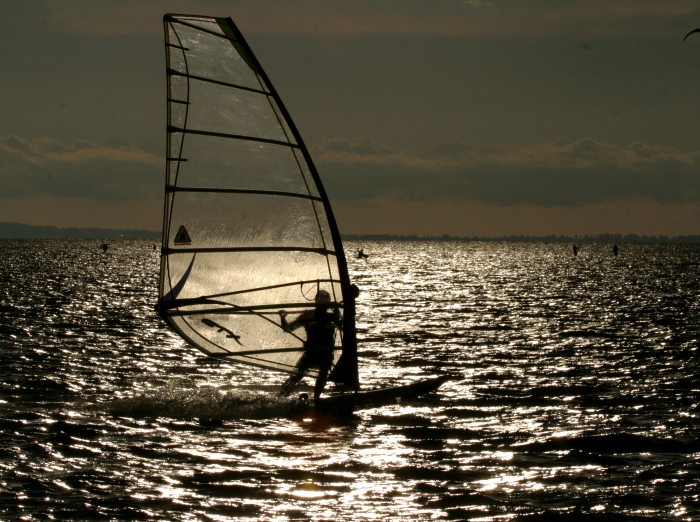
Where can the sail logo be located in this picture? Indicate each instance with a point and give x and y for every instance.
(182, 237)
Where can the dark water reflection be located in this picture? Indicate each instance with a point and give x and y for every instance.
(574, 393)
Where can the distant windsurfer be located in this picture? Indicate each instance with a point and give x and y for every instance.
(575, 249)
(615, 249)
(320, 325)
(361, 254)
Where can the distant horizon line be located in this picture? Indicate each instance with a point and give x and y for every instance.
(549, 238)
(13, 230)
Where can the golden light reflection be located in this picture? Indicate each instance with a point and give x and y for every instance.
(565, 433)
(509, 482)
(62, 485)
(390, 452)
(310, 491)
(306, 490)
(210, 455)
(502, 455)
(172, 492)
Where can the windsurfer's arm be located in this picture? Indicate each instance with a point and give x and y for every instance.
(288, 327)
(283, 320)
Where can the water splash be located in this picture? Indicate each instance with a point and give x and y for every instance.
(185, 400)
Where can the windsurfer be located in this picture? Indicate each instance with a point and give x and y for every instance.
(320, 324)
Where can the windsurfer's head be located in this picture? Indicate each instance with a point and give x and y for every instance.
(322, 297)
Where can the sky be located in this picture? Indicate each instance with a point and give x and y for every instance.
(430, 117)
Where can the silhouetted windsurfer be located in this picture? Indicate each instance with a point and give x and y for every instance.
(320, 324)
(361, 254)
(615, 249)
(575, 247)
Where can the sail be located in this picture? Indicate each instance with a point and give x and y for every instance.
(248, 230)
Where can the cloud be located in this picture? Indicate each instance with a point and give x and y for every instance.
(269, 17)
(112, 17)
(579, 172)
(45, 166)
(473, 219)
(466, 18)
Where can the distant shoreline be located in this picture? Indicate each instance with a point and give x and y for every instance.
(23, 231)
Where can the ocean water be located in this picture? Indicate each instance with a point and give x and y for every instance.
(574, 392)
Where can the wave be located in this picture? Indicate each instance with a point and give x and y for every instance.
(617, 443)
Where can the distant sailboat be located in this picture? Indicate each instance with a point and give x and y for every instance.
(248, 231)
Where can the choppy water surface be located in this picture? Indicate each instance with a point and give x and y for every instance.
(574, 392)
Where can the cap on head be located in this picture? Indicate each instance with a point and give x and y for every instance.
(322, 297)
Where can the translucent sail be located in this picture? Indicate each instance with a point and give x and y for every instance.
(248, 230)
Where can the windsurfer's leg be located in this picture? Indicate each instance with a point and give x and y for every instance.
(294, 379)
(324, 368)
(289, 384)
(320, 383)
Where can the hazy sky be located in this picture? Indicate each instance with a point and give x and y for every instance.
(469, 117)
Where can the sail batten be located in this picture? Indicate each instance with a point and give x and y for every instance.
(185, 74)
(210, 250)
(172, 188)
(248, 231)
(174, 129)
(224, 308)
(214, 297)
